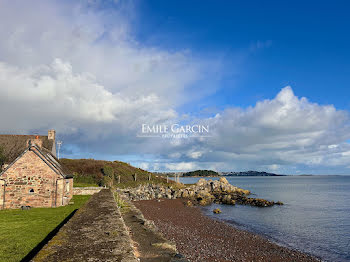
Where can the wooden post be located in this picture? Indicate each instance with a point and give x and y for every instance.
(167, 179)
(118, 179)
(149, 177)
(135, 176)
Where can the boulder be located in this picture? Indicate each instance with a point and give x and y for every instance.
(223, 180)
(189, 203)
(216, 211)
(201, 182)
(204, 202)
(185, 194)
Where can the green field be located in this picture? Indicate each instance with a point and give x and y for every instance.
(23, 230)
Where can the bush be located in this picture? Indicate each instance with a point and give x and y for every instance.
(108, 171)
(87, 179)
(108, 179)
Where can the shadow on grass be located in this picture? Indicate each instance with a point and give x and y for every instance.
(39, 246)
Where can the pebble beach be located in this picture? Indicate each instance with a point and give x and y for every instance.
(200, 238)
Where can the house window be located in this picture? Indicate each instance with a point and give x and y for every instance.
(31, 191)
(67, 186)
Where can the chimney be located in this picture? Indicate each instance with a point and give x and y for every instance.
(51, 135)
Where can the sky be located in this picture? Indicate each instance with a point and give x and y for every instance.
(271, 79)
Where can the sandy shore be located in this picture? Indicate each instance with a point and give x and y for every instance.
(201, 238)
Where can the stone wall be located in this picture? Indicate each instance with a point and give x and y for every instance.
(69, 190)
(86, 190)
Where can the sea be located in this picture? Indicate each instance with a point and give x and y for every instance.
(314, 219)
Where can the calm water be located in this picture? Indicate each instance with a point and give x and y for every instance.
(315, 218)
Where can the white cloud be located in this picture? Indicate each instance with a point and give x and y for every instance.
(276, 134)
(195, 154)
(78, 69)
(182, 166)
(144, 166)
(274, 167)
(286, 130)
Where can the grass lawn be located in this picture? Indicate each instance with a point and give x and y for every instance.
(22, 230)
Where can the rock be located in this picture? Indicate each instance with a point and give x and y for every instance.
(201, 182)
(189, 203)
(279, 203)
(242, 191)
(204, 202)
(256, 202)
(224, 180)
(216, 211)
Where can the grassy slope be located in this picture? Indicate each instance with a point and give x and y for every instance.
(22, 230)
(88, 172)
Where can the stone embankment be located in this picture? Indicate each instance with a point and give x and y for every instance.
(97, 232)
(149, 244)
(204, 192)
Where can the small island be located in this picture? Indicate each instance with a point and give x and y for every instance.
(201, 173)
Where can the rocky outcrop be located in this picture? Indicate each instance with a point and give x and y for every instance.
(151, 191)
(204, 192)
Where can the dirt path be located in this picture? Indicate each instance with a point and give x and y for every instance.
(96, 233)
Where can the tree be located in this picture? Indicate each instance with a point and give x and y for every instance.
(2, 158)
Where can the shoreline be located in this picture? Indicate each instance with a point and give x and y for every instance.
(202, 238)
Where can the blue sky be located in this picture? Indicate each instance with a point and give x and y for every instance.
(270, 44)
(270, 78)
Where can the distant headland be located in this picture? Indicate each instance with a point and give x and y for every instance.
(249, 173)
(212, 173)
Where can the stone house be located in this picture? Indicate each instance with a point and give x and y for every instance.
(32, 175)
